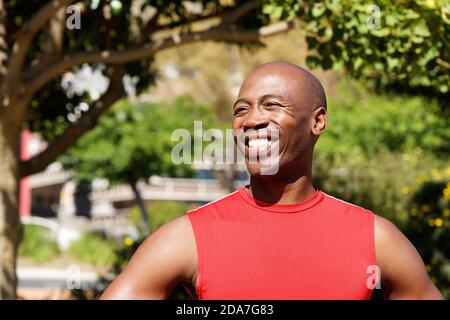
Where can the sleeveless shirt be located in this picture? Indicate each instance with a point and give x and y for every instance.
(321, 248)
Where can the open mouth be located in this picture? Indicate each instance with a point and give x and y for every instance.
(259, 143)
(257, 138)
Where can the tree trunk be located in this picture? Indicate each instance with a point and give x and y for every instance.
(10, 227)
(142, 209)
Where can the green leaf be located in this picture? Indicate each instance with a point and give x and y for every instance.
(357, 63)
(312, 61)
(382, 32)
(391, 20)
(393, 62)
(318, 10)
(421, 29)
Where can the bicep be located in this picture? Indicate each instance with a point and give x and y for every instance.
(162, 260)
(403, 272)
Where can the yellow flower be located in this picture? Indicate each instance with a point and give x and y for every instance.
(414, 212)
(435, 174)
(446, 192)
(438, 222)
(446, 212)
(425, 208)
(431, 222)
(448, 172)
(420, 180)
(431, 4)
(406, 190)
(128, 241)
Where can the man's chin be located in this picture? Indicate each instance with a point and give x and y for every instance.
(253, 169)
(263, 168)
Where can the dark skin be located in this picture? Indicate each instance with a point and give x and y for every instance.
(282, 96)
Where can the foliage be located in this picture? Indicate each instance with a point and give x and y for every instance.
(428, 225)
(94, 249)
(38, 244)
(109, 25)
(358, 119)
(133, 141)
(400, 46)
(160, 212)
(407, 50)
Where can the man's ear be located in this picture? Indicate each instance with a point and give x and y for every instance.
(320, 120)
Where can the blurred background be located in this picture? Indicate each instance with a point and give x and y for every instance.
(91, 92)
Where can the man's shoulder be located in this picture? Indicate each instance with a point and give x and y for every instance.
(385, 230)
(222, 202)
(345, 206)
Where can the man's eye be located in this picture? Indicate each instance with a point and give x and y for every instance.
(239, 110)
(272, 104)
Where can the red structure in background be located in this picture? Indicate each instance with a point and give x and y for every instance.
(24, 189)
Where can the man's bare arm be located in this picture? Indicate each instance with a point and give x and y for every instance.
(403, 273)
(167, 257)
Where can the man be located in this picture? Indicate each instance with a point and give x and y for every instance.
(279, 238)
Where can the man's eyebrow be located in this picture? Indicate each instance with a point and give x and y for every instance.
(264, 97)
(240, 100)
(271, 96)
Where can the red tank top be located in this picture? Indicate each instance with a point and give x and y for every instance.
(317, 249)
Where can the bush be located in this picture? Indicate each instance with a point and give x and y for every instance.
(38, 244)
(428, 225)
(94, 249)
(123, 252)
(159, 213)
(381, 183)
(374, 124)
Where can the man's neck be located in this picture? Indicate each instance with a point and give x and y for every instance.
(283, 191)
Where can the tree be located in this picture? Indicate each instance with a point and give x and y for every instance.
(126, 145)
(402, 47)
(39, 42)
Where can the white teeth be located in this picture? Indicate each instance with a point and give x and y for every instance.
(255, 143)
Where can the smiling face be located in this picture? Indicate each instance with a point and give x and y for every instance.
(281, 111)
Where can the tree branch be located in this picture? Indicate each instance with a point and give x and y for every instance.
(152, 24)
(228, 16)
(234, 15)
(29, 30)
(35, 82)
(59, 65)
(54, 35)
(88, 121)
(3, 42)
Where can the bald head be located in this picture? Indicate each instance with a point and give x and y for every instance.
(285, 99)
(304, 83)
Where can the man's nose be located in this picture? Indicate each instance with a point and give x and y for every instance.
(255, 119)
